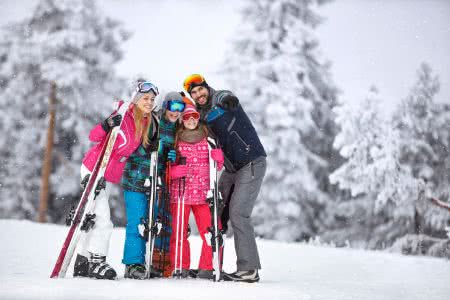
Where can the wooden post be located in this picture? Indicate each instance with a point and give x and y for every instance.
(47, 164)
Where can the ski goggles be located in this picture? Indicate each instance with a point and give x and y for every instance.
(147, 87)
(192, 81)
(175, 106)
(194, 115)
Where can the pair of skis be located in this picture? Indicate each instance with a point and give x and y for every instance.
(153, 225)
(82, 219)
(214, 199)
(161, 261)
(178, 268)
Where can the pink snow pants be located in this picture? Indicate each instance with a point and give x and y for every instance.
(202, 216)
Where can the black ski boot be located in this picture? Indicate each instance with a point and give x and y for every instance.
(99, 269)
(242, 276)
(203, 274)
(81, 267)
(183, 274)
(135, 271)
(193, 273)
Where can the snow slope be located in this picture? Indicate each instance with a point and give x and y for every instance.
(290, 271)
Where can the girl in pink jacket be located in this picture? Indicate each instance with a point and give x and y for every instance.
(191, 182)
(134, 130)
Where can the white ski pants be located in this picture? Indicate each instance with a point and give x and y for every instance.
(97, 238)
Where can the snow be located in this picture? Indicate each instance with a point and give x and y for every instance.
(290, 271)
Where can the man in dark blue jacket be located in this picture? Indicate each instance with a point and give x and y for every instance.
(245, 167)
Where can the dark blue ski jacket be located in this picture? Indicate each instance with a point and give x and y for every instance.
(232, 128)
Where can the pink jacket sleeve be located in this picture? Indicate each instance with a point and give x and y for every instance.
(97, 134)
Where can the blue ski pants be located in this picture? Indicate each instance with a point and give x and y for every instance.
(136, 206)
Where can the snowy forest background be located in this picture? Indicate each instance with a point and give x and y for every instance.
(350, 173)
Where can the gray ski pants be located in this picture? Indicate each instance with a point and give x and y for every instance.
(247, 183)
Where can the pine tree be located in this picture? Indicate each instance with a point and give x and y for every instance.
(372, 172)
(424, 140)
(390, 168)
(70, 43)
(275, 69)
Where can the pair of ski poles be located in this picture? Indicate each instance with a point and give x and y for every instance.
(180, 207)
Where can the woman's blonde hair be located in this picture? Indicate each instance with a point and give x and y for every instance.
(142, 125)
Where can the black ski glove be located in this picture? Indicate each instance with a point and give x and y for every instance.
(229, 102)
(110, 122)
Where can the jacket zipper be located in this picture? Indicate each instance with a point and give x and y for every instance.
(247, 146)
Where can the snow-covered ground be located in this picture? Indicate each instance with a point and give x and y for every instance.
(290, 271)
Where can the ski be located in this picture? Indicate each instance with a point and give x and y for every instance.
(152, 225)
(82, 216)
(214, 200)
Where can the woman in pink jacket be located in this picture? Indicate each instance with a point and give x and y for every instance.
(134, 130)
(190, 181)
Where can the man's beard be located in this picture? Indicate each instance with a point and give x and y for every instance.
(203, 100)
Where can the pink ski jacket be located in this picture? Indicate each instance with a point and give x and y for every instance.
(197, 178)
(124, 146)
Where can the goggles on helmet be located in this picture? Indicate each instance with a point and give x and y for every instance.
(192, 81)
(147, 87)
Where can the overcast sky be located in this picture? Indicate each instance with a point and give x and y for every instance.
(370, 42)
(383, 42)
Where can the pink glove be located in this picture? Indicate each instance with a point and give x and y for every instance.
(217, 156)
(178, 171)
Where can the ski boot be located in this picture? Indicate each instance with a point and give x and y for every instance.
(242, 276)
(193, 273)
(203, 274)
(81, 267)
(135, 271)
(183, 274)
(99, 269)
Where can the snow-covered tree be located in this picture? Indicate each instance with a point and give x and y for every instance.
(390, 168)
(371, 146)
(71, 43)
(372, 172)
(424, 126)
(276, 70)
